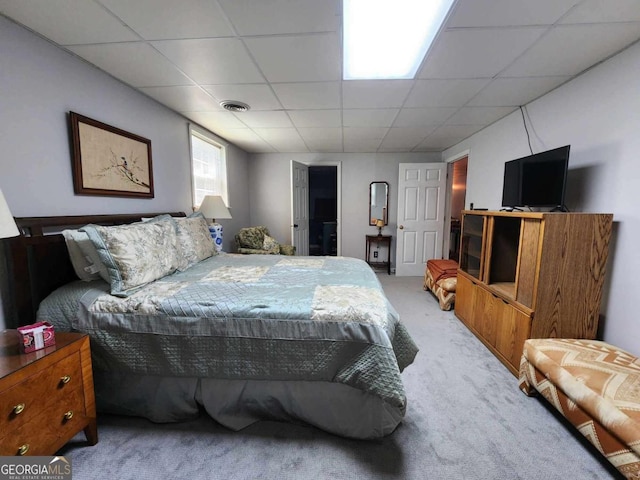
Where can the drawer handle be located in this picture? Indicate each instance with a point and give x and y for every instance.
(66, 379)
(23, 449)
(18, 409)
(68, 415)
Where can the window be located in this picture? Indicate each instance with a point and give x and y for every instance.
(208, 166)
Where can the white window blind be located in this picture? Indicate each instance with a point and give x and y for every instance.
(209, 167)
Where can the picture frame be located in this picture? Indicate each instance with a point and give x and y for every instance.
(108, 161)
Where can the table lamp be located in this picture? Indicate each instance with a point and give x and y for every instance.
(213, 207)
(380, 225)
(9, 339)
(8, 226)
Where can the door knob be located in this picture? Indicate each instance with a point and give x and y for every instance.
(401, 227)
(295, 225)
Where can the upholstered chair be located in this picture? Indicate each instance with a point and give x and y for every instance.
(256, 240)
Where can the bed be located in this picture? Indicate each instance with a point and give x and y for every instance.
(244, 337)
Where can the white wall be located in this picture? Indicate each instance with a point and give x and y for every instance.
(270, 184)
(39, 84)
(598, 114)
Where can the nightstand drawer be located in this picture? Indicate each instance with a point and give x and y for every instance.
(49, 428)
(24, 401)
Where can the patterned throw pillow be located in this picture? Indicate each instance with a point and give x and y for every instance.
(136, 254)
(271, 245)
(194, 240)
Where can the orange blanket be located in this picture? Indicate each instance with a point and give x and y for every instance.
(442, 268)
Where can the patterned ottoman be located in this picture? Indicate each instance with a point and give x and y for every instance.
(593, 385)
(440, 277)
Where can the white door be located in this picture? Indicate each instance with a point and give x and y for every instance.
(422, 191)
(300, 207)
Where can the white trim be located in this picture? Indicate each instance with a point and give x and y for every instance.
(208, 134)
(458, 156)
(446, 239)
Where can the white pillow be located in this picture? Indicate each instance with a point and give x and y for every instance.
(136, 254)
(84, 257)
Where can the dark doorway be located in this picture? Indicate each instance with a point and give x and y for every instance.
(323, 210)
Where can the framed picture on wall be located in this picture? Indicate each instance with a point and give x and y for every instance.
(109, 161)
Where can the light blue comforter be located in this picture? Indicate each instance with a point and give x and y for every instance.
(259, 317)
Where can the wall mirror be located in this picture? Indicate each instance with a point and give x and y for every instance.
(378, 202)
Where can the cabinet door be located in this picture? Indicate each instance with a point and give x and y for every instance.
(472, 245)
(512, 330)
(465, 300)
(487, 315)
(502, 326)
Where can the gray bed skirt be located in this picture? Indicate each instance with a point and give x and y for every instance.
(333, 407)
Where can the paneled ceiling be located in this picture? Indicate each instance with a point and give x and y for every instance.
(284, 59)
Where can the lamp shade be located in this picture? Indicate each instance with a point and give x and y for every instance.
(379, 223)
(8, 226)
(213, 207)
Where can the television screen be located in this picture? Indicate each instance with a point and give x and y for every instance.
(538, 180)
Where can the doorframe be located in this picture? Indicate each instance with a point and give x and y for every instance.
(446, 241)
(338, 165)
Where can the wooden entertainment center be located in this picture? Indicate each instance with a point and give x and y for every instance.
(531, 275)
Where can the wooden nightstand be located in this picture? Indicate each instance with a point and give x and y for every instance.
(47, 397)
(379, 241)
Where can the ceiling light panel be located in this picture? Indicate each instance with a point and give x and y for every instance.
(388, 40)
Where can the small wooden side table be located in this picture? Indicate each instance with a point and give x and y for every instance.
(379, 241)
(47, 397)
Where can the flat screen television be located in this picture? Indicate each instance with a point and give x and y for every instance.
(537, 180)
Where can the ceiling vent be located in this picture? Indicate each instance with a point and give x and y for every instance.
(234, 106)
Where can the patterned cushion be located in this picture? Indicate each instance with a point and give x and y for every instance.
(287, 249)
(448, 284)
(136, 254)
(252, 251)
(251, 237)
(593, 385)
(271, 245)
(194, 240)
(252, 240)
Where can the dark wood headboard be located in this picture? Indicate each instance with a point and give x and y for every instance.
(38, 259)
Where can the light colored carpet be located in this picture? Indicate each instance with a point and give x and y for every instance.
(466, 419)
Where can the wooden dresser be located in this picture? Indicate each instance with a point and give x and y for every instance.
(531, 275)
(47, 397)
